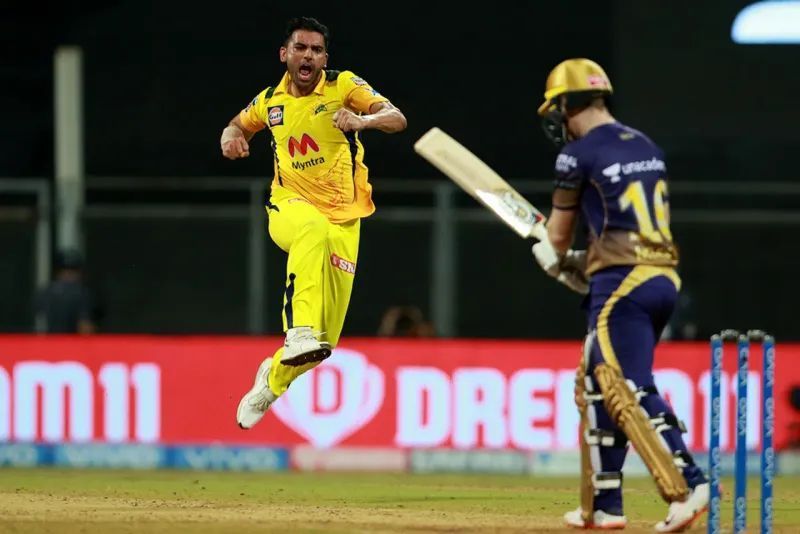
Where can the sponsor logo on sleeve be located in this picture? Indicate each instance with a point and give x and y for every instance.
(565, 163)
(275, 115)
(358, 80)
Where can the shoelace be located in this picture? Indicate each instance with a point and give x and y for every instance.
(260, 401)
(307, 334)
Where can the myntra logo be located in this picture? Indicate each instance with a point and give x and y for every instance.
(303, 145)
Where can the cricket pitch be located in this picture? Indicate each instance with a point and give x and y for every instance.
(155, 502)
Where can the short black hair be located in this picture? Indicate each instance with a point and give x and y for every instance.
(306, 23)
(69, 258)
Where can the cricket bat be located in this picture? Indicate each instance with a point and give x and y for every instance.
(482, 183)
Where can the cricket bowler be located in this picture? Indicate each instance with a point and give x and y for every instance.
(319, 195)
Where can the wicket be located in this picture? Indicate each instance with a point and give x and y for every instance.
(767, 428)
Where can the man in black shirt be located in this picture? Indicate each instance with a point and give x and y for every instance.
(65, 306)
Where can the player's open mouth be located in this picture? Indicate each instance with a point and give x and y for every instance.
(305, 72)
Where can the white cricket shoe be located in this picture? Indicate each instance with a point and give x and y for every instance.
(303, 346)
(600, 520)
(682, 514)
(255, 402)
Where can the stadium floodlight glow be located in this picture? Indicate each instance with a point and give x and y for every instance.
(769, 22)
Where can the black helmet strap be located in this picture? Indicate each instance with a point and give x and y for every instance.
(554, 125)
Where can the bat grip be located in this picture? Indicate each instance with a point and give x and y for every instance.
(539, 232)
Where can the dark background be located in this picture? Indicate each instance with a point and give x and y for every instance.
(163, 78)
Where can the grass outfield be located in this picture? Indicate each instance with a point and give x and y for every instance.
(152, 502)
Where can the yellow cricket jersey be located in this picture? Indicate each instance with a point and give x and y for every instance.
(313, 157)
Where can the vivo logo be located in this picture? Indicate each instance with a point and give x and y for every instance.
(224, 458)
(19, 455)
(57, 402)
(113, 456)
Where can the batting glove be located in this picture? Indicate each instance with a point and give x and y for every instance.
(547, 257)
(568, 269)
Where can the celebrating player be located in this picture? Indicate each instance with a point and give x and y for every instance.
(616, 177)
(319, 194)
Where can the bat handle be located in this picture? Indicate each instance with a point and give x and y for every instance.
(539, 231)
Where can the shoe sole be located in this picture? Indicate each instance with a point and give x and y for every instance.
(255, 385)
(686, 524)
(610, 526)
(308, 357)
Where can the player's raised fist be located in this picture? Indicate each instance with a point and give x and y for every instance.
(235, 148)
(347, 121)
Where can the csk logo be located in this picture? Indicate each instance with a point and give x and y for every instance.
(303, 145)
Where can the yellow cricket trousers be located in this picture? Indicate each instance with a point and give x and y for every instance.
(319, 273)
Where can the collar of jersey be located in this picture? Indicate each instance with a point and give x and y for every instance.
(282, 87)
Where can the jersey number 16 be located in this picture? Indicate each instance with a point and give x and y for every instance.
(636, 198)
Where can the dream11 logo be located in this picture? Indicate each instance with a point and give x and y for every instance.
(59, 398)
(333, 400)
(471, 407)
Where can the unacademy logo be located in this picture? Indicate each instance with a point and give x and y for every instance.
(653, 164)
(771, 22)
(647, 165)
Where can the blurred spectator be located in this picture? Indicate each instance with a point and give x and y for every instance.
(405, 321)
(64, 306)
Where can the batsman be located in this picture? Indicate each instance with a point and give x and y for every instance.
(615, 177)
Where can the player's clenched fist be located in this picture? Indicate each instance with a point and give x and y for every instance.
(347, 121)
(233, 143)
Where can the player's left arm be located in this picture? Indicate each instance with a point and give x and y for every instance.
(553, 254)
(364, 108)
(382, 116)
(563, 220)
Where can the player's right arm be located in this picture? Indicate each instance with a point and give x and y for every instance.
(235, 138)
